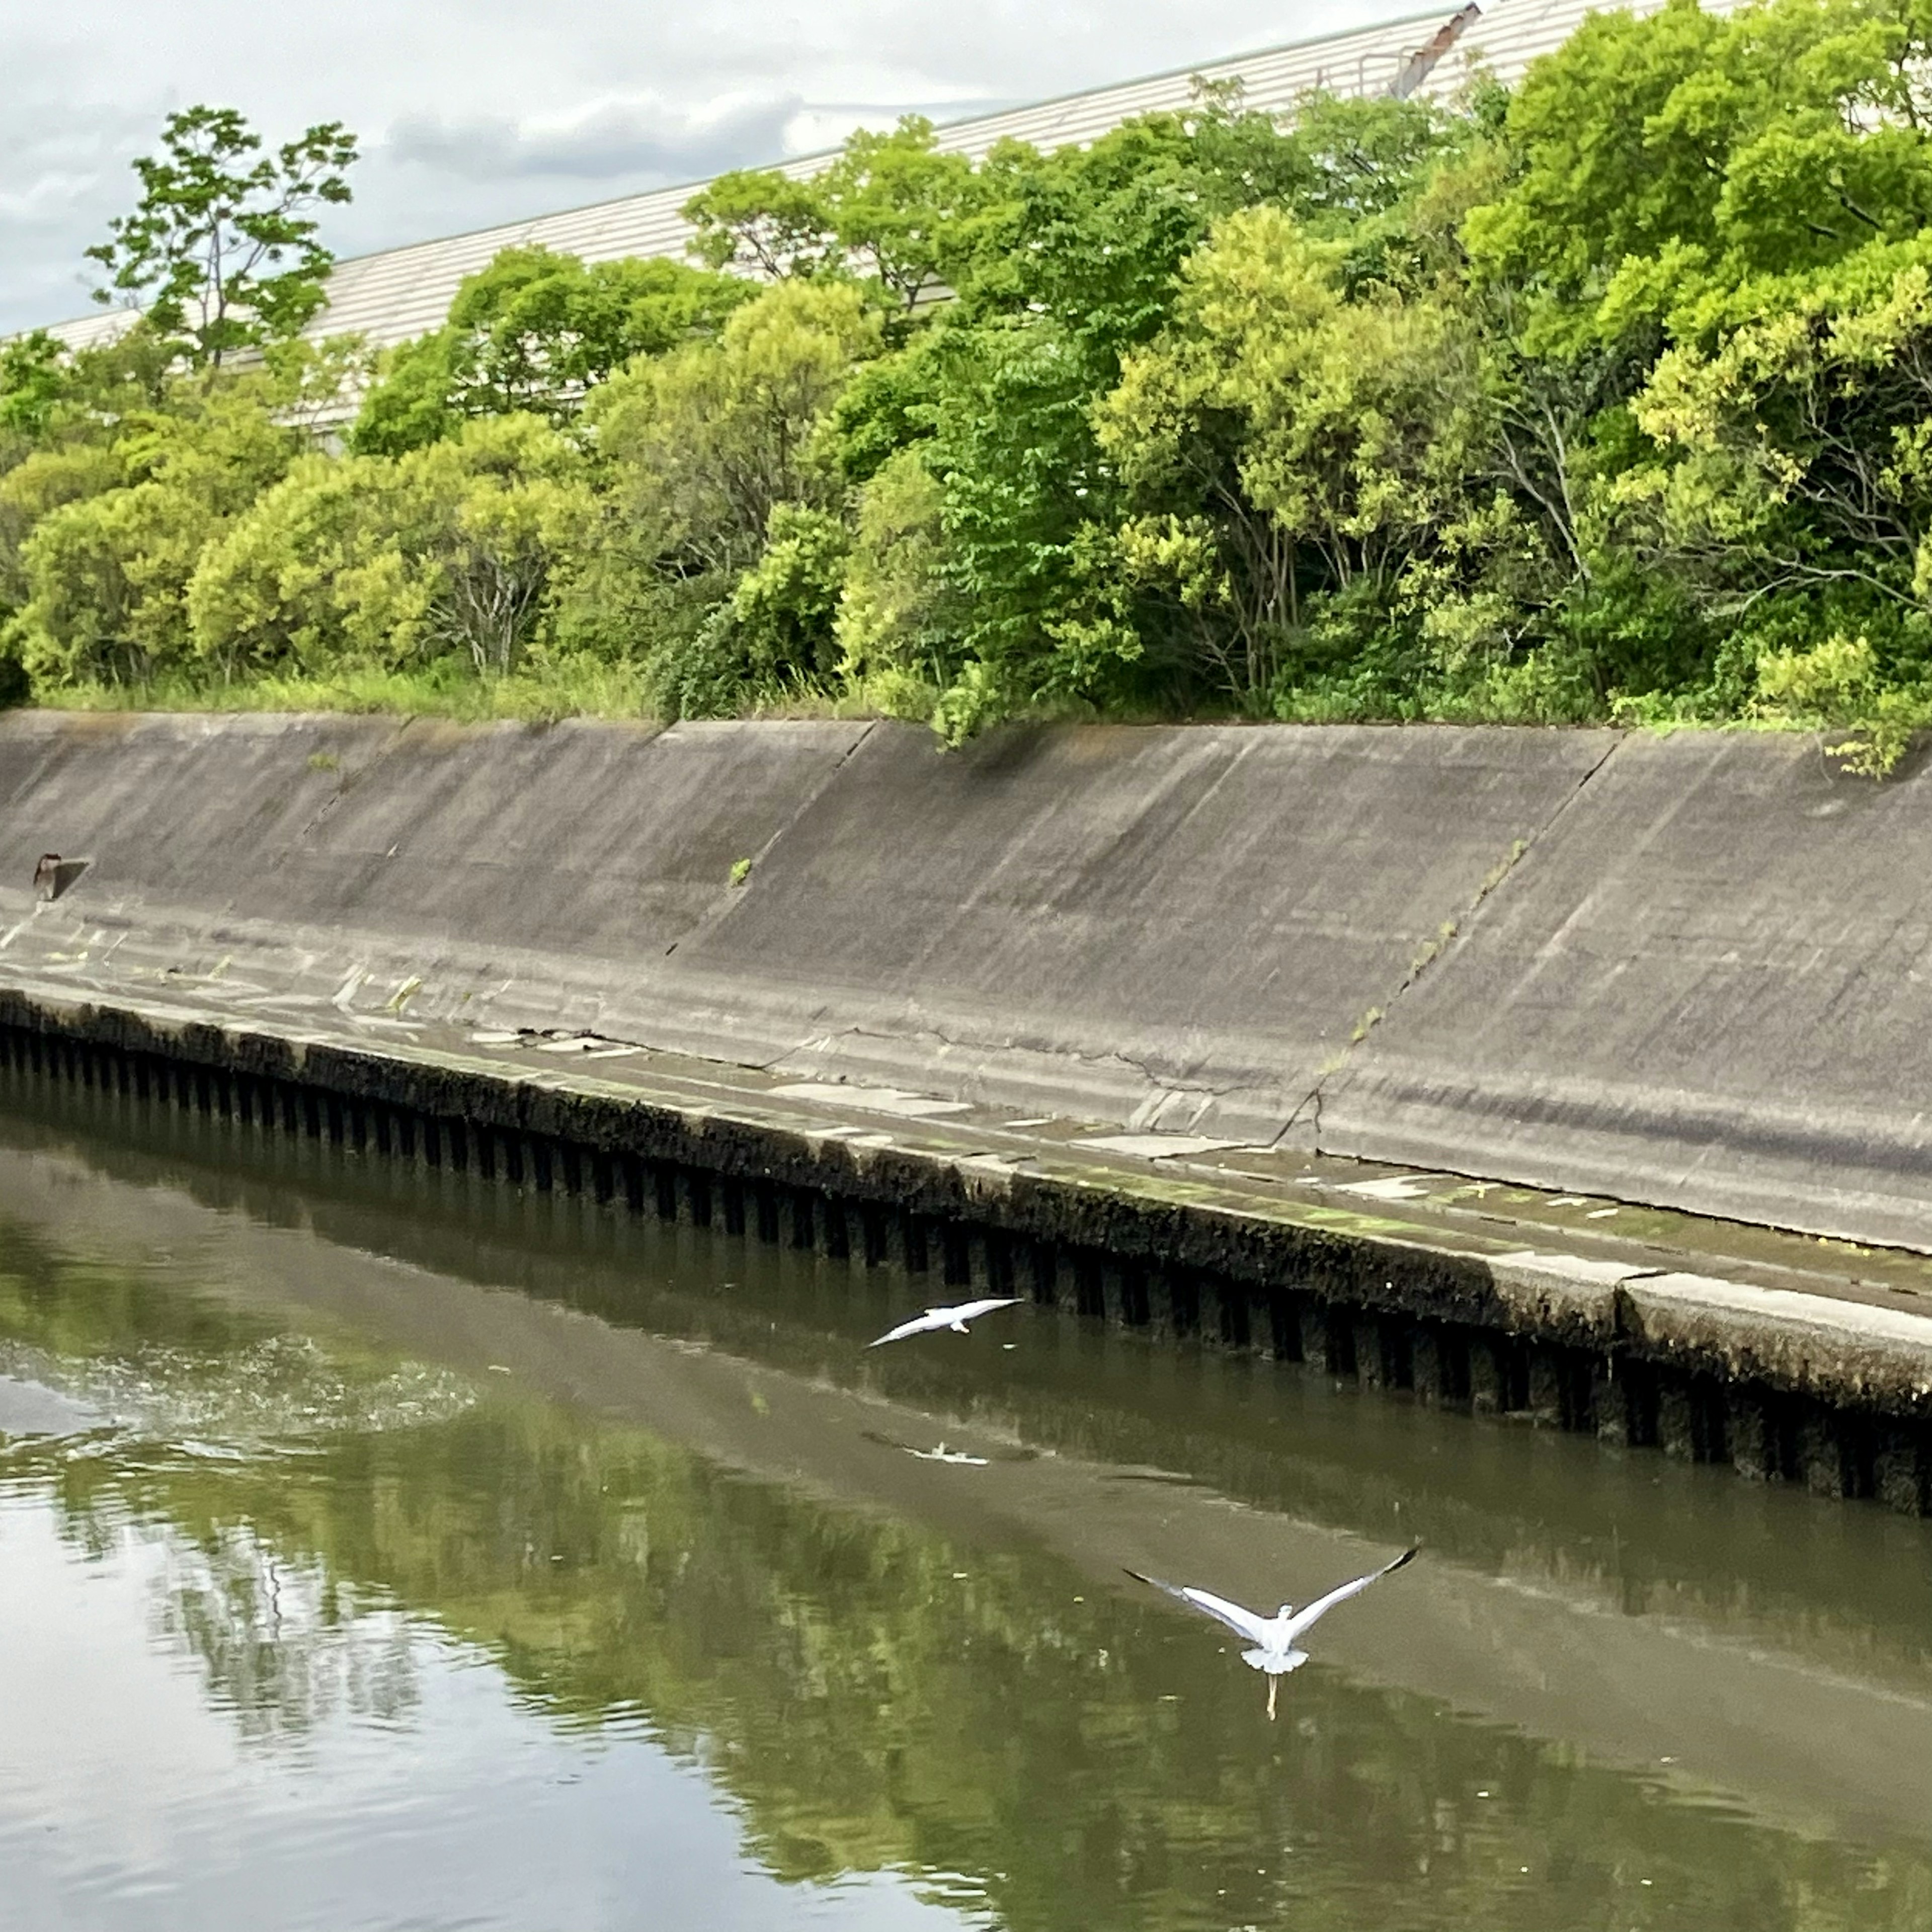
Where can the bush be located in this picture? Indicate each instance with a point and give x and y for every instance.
(1835, 686)
(377, 561)
(897, 624)
(772, 636)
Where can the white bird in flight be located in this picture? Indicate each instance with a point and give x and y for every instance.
(955, 1318)
(1273, 1638)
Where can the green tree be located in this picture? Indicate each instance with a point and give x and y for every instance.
(32, 382)
(898, 622)
(106, 577)
(727, 495)
(1076, 263)
(898, 206)
(1280, 443)
(703, 444)
(891, 402)
(462, 546)
(1609, 393)
(509, 512)
(39, 484)
(106, 572)
(322, 572)
(535, 332)
(1666, 162)
(61, 416)
(763, 221)
(1801, 443)
(222, 250)
(891, 209)
(773, 636)
(1705, 219)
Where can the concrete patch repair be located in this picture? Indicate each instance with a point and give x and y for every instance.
(1152, 1146)
(1302, 1039)
(870, 1099)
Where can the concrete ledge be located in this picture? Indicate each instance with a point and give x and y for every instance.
(1566, 1297)
(1845, 1351)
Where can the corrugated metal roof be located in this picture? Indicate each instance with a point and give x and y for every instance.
(388, 297)
(1513, 33)
(84, 331)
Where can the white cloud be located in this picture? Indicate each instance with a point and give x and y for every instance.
(644, 140)
(476, 112)
(62, 173)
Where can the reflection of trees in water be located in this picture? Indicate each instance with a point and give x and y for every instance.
(283, 1646)
(284, 1642)
(869, 1706)
(873, 1695)
(1850, 1588)
(183, 1394)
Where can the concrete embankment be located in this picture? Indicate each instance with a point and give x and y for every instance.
(1685, 973)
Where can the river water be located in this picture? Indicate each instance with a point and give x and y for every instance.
(380, 1548)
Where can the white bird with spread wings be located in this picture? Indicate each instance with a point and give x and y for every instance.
(955, 1318)
(1273, 1638)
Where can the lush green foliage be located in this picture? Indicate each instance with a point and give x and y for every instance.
(1610, 397)
(536, 332)
(136, 474)
(457, 546)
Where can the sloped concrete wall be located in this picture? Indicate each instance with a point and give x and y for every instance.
(1708, 982)
(1694, 971)
(1185, 927)
(599, 840)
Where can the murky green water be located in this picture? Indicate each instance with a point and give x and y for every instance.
(380, 1549)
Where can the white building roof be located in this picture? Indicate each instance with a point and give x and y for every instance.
(388, 297)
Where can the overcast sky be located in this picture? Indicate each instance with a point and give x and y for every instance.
(474, 111)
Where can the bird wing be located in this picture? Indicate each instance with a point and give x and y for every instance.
(1243, 1623)
(933, 1317)
(1313, 1612)
(944, 1317)
(968, 1311)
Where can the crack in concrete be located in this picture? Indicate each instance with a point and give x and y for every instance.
(1433, 949)
(722, 907)
(345, 778)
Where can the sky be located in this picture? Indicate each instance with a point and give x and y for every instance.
(471, 112)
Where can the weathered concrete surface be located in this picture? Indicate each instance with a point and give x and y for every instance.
(603, 841)
(1708, 983)
(1569, 1297)
(1802, 1342)
(1173, 927)
(1691, 972)
(1183, 929)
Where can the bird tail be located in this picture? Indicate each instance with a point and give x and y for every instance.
(1276, 1663)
